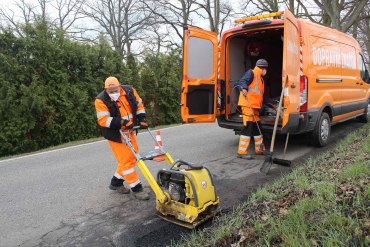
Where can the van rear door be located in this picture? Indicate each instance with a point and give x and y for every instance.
(199, 79)
(291, 71)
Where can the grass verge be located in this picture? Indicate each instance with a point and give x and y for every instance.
(323, 202)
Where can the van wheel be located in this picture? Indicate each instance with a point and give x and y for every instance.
(320, 135)
(366, 117)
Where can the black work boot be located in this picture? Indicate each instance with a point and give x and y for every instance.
(117, 185)
(140, 193)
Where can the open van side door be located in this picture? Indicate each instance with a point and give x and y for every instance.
(199, 79)
(291, 71)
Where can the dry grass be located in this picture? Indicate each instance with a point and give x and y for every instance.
(324, 202)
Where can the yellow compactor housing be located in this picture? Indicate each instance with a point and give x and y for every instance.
(185, 193)
(192, 192)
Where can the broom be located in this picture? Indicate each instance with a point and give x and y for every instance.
(269, 160)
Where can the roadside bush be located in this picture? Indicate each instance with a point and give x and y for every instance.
(48, 84)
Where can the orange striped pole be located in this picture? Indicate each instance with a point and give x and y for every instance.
(159, 141)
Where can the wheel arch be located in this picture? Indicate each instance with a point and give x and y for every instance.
(326, 107)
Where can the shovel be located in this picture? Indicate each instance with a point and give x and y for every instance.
(269, 160)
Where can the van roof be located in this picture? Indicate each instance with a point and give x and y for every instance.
(274, 22)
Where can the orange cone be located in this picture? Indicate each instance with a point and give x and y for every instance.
(159, 141)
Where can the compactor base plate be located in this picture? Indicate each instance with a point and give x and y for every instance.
(202, 218)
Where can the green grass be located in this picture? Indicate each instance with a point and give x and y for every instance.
(323, 202)
(357, 169)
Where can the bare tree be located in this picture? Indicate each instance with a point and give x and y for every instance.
(160, 38)
(260, 6)
(16, 21)
(217, 11)
(125, 21)
(364, 33)
(42, 14)
(26, 11)
(338, 14)
(176, 13)
(69, 11)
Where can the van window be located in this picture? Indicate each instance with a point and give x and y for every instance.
(200, 58)
(363, 71)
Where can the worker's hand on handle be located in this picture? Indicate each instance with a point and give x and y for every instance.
(142, 121)
(127, 124)
(244, 91)
(143, 125)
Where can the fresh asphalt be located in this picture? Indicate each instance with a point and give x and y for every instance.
(61, 197)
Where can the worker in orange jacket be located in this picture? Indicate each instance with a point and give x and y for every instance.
(120, 107)
(250, 100)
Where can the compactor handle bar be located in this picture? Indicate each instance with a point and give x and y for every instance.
(127, 141)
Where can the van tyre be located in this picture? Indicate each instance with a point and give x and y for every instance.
(320, 135)
(366, 117)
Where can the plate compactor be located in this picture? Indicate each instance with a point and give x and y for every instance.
(185, 193)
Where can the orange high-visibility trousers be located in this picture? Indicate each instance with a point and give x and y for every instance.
(248, 114)
(126, 161)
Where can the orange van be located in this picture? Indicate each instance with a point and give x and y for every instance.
(320, 71)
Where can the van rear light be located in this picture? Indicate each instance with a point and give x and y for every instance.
(303, 93)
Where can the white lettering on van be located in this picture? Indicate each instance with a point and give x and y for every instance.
(333, 58)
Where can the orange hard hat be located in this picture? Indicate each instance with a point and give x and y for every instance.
(111, 81)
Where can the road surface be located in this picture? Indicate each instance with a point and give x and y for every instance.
(61, 197)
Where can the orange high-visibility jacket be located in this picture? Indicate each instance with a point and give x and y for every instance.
(255, 91)
(110, 113)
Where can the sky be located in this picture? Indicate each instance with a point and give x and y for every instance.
(9, 4)
(200, 22)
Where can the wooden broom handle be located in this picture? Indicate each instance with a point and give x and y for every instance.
(277, 117)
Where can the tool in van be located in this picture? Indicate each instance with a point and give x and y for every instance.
(269, 160)
(185, 193)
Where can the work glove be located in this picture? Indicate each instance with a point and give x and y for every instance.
(143, 125)
(127, 124)
(142, 122)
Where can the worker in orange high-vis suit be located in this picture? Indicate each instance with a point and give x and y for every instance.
(120, 107)
(250, 100)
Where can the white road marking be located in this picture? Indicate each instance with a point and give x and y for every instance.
(75, 146)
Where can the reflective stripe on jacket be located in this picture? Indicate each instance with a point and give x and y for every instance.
(255, 91)
(110, 113)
